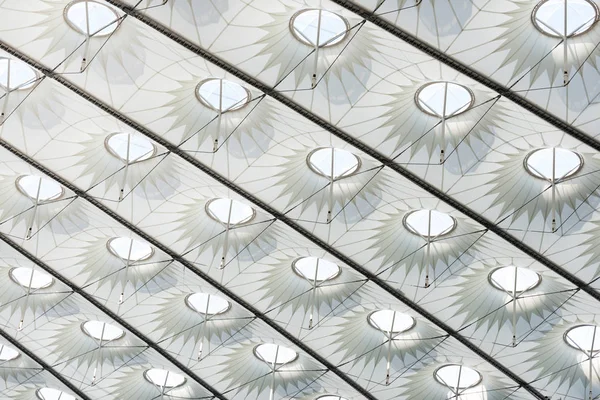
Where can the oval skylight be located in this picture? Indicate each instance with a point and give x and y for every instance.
(102, 331)
(391, 321)
(229, 211)
(52, 394)
(308, 267)
(429, 223)
(319, 27)
(30, 278)
(130, 249)
(7, 353)
(39, 188)
(331, 397)
(585, 338)
(164, 378)
(222, 95)
(539, 163)
(274, 354)
(140, 148)
(332, 162)
(448, 375)
(207, 304)
(91, 18)
(431, 97)
(549, 17)
(504, 279)
(16, 75)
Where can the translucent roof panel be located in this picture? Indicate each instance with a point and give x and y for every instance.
(16, 75)
(317, 27)
(550, 15)
(91, 18)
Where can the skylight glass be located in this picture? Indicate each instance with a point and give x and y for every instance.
(39, 188)
(30, 278)
(102, 331)
(390, 321)
(222, 95)
(444, 99)
(331, 397)
(331, 162)
(229, 212)
(130, 148)
(16, 75)
(164, 378)
(320, 28)
(429, 223)
(457, 376)
(8, 353)
(53, 394)
(503, 278)
(585, 338)
(275, 354)
(130, 249)
(549, 17)
(207, 304)
(91, 18)
(540, 163)
(308, 267)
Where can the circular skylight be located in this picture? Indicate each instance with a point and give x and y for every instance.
(140, 148)
(430, 99)
(549, 17)
(539, 163)
(48, 189)
(457, 376)
(222, 95)
(130, 249)
(274, 354)
(332, 162)
(307, 267)
(585, 338)
(91, 18)
(319, 27)
(7, 353)
(102, 331)
(22, 76)
(207, 304)
(229, 211)
(53, 394)
(429, 223)
(503, 278)
(25, 276)
(331, 397)
(164, 378)
(391, 321)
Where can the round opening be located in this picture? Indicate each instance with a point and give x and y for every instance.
(390, 321)
(585, 338)
(39, 189)
(444, 99)
(504, 278)
(429, 223)
(130, 249)
(549, 17)
(129, 148)
(7, 353)
(164, 378)
(457, 376)
(274, 354)
(331, 397)
(540, 162)
(320, 28)
(102, 331)
(52, 394)
(91, 18)
(333, 163)
(222, 95)
(30, 278)
(316, 269)
(16, 75)
(207, 304)
(229, 212)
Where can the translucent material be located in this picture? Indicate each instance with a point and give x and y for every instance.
(21, 76)
(7, 353)
(305, 27)
(275, 354)
(331, 397)
(429, 223)
(549, 17)
(130, 249)
(91, 19)
(430, 99)
(48, 189)
(307, 267)
(25, 276)
(457, 376)
(391, 321)
(229, 211)
(164, 378)
(52, 394)
(344, 162)
(539, 163)
(140, 148)
(504, 279)
(207, 304)
(585, 338)
(102, 331)
(233, 96)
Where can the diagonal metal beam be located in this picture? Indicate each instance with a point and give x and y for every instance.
(470, 72)
(277, 214)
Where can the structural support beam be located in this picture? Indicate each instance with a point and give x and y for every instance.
(280, 216)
